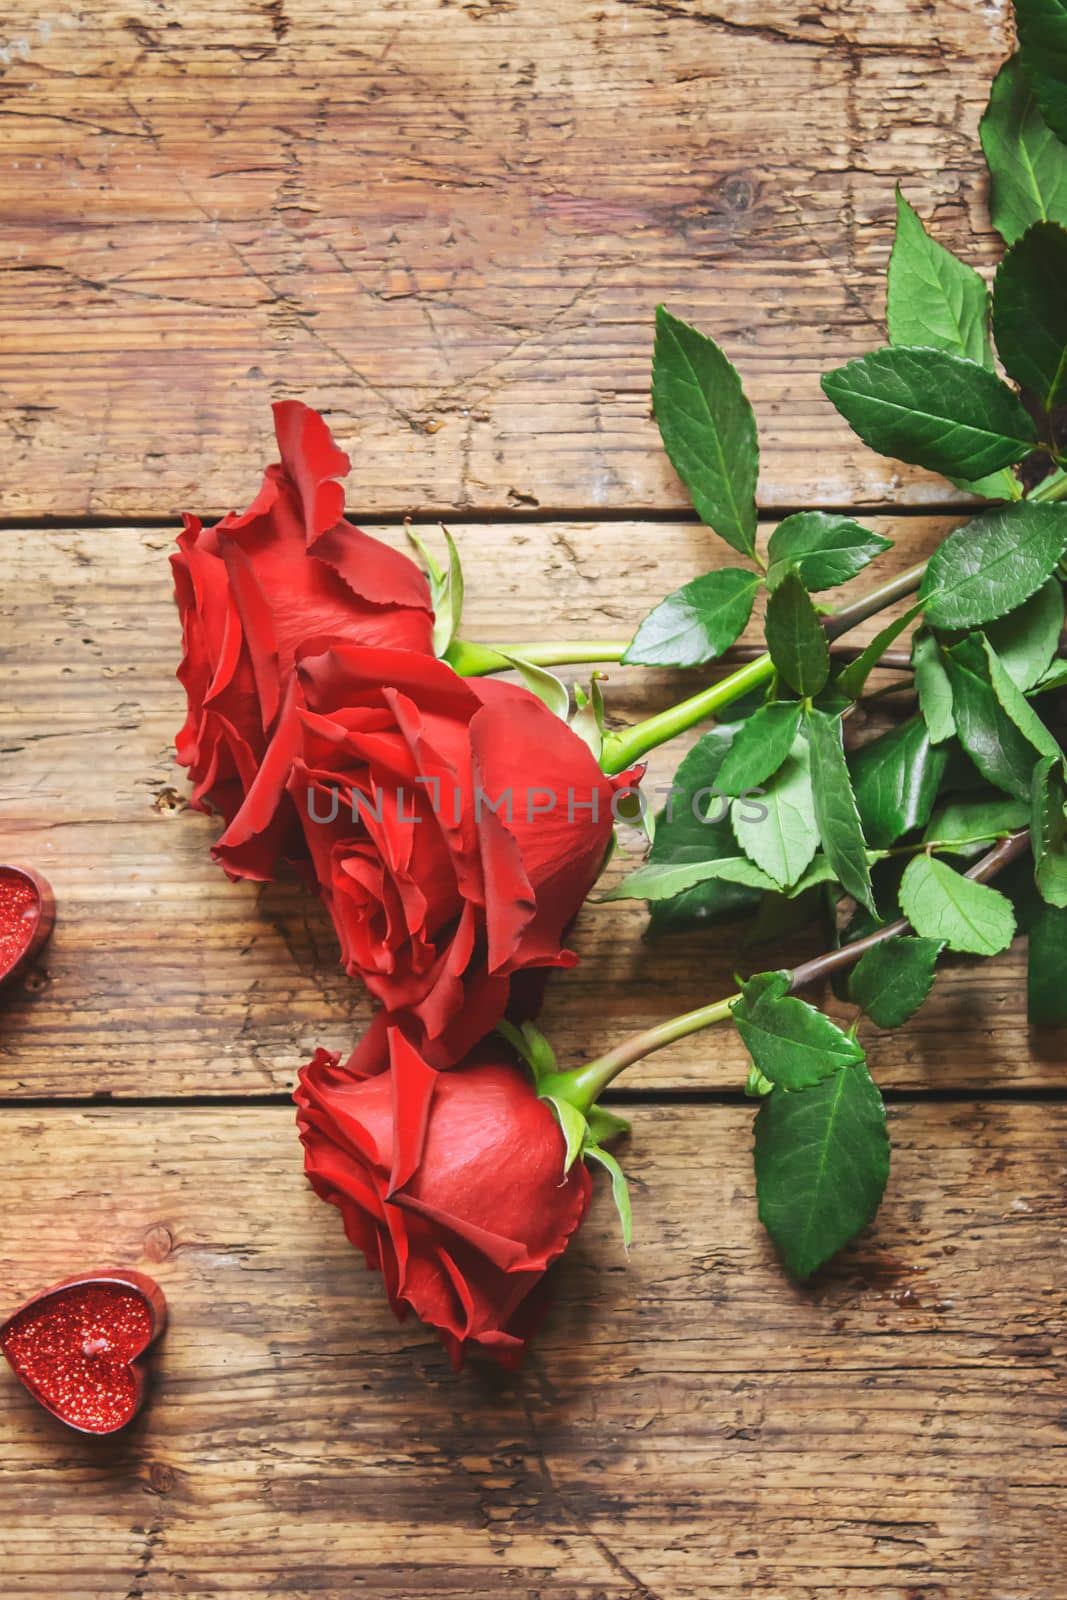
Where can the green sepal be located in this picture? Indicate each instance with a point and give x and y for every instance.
(620, 1189)
(572, 1125)
(605, 1125)
(549, 689)
(588, 719)
(756, 1085)
(584, 1132)
(446, 590)
(531, 1046)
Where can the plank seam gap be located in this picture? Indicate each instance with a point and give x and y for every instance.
(620, 1097)
(543, 516)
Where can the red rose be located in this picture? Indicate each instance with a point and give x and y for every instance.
(452, 1186)
(252, 591)
(437, 897)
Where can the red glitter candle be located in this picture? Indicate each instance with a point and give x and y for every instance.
(27, 912)
(78, 1346)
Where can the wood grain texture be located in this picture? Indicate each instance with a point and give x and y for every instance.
(688, 1425)
(448, 225)
(165, 978)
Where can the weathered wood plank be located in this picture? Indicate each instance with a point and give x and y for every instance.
(690, 1423)
(449, 224)
(164, 978)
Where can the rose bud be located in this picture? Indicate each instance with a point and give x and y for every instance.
(251, 590)
(452, 1184)
(455, 826)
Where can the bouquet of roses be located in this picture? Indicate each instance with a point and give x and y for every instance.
(454, 820)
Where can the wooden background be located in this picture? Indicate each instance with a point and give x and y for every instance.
(448, 225)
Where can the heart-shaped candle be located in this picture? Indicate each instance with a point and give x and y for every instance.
(78, 1347)
(27, 912)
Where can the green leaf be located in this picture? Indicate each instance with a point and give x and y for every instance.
(620, 1189)
(932, 686)
(974, 824)
(835, 807)
(707, 428)
(852, 680)
(1054, 678)
(895, 779)
(825, 550)
(1030, 312)
(1046, 992)
(992, 564)
(943, 904)
(779, 915)
(697, 622)
(991, 737)
(790, 1042)
(762, 743)
(684, 833)
(783, 840)
(893, 979)
(1018, 708)
(1027, 163)
(1026, 640)
(936, 410)
(1042, 29)
(1048, 831)
(796, 638)
(822, 1162)
(932, 298)
(664, 880)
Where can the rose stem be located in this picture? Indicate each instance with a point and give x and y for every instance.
(585, 1084)
(478, 660)
(622, 749)
(1054, 487)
